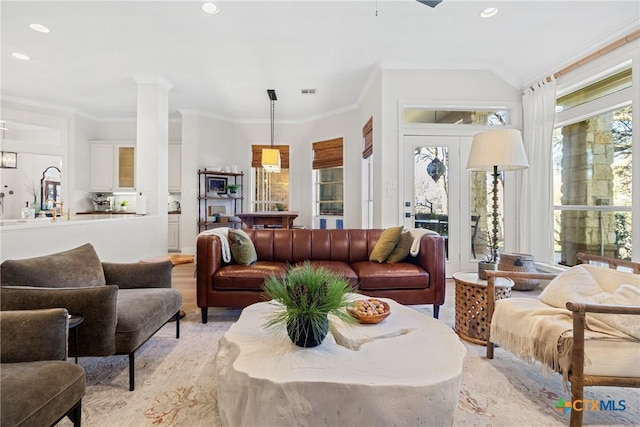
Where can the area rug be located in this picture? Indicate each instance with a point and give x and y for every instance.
(175, 385)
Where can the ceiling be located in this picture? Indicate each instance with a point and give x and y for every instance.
(222, 64)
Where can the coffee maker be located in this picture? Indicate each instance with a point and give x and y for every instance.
(102, 203)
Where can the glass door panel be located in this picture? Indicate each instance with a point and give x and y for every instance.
(431, 190)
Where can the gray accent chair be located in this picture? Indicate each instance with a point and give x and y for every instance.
(39, 386)
(123, 304)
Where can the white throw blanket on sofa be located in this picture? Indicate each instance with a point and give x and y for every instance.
(540, 330)
(223, 233)
(417, 234)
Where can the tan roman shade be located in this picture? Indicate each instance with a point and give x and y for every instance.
(327, 154)
(256, 159)
(367, 137)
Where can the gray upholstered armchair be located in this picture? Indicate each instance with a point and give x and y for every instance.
(39, 387)
(123, 304)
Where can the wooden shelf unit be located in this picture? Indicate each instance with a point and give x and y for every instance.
(210, 202)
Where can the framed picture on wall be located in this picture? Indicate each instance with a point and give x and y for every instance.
(218, 185)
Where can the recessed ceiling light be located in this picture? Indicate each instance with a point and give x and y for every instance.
(210, 8)
(20, 56)
(40, 28)
(489, 12)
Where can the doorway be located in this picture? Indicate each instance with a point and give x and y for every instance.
(436, 194)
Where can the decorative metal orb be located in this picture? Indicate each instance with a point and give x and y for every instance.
(436, 169)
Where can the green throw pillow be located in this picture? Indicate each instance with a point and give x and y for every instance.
(242, 248)
(402, 249)
(385, 244)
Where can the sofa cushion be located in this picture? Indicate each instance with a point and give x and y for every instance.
(141, 312)
(598, 347)
(385, 244)
(338, 267)
(401, 251)
(242, 248)
(30, 335)
(78, 267)
(251, 277)
(402, 275)
(40, 392)
(96, 304)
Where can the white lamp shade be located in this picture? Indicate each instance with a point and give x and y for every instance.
(500, 147)
(271, 159)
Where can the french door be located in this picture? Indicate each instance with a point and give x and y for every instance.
(435, 190)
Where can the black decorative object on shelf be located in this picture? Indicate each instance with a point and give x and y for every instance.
(436, 169)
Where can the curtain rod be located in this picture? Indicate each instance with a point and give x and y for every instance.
(608, 48)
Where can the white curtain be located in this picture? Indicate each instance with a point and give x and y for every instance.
(535, 233)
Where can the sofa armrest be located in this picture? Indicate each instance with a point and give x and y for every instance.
(138, 275)
(30, 335)
(208, 261)
(96, 335)
(578, 312)
(432, 258)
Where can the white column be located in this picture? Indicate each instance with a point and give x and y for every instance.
(152, 145)
(189, 202)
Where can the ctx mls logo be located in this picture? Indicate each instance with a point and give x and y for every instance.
(563, 406)
(590, 405)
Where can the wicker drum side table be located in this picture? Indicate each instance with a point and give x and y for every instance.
(471, 305)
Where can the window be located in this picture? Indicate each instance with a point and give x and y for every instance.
(329, 192)
(271, 189)
(592, 170)
(455, 117)
(327, 162)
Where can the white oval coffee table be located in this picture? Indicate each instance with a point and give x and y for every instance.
(404, 371)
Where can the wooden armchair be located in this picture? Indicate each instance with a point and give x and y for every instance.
(576, 374)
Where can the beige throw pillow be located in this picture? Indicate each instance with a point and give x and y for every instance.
(385, 244)
(242, 248)
(402, 249)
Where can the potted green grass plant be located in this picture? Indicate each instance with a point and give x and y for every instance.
(305, 295)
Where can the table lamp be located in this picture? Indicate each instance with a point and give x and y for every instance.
(497, 150)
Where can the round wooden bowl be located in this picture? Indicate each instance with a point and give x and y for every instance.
(376, 318)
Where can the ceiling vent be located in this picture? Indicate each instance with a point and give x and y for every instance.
(308, 91)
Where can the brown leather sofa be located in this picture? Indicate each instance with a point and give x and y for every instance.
(415, 280)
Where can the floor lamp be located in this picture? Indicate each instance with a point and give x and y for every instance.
(494, 151)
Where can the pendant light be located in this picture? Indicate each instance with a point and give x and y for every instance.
(271, 156)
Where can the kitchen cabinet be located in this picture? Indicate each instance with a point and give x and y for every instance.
(173, 241)
(102, 167)
(112, 166)
(175, 168)
(217, 206)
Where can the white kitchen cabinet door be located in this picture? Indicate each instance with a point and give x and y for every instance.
(173, 242)
(125, 167)
(175, 168)
(102, 167)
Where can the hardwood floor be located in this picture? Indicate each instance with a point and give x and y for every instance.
(184, 280)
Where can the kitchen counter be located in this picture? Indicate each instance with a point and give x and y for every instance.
(117, 238)
(106, 213)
